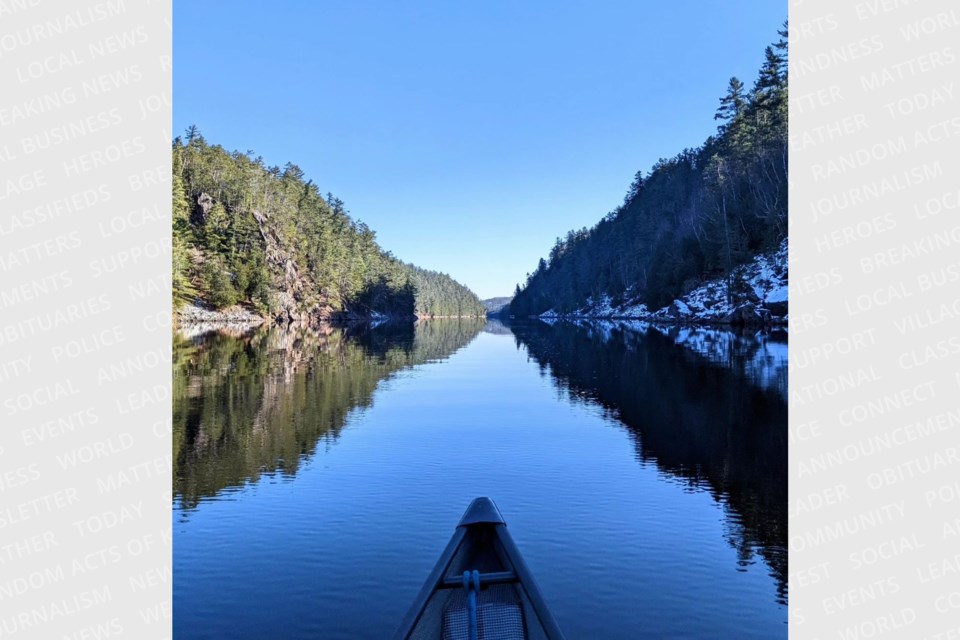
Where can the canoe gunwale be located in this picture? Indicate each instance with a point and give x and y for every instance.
(482, 513)
(528, 584)
(435, 578)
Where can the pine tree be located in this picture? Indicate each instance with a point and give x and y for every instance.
(216, 230)
(770, 80)
(732, 104)
(217, 282)
(782, 47)
(182, 266)
(694, 216)
(339, 263)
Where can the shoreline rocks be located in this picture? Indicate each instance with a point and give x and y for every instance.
(196, 319)
(196, 314)
(753, 295)
(193, 320)
(760, 318)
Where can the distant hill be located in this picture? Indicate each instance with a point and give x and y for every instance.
(496, 305)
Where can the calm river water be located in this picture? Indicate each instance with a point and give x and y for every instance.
(641, 471)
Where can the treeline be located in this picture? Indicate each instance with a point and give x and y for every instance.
(440, 295)
(692, 217)
(245, 232)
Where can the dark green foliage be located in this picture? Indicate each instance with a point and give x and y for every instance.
(244, 233)
(218, 281)
(732, 104)
(183, 268)
(692, 217)
(440, 295)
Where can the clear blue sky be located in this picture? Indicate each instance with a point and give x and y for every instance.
(468, 135)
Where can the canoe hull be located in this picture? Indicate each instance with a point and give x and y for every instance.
(509, 603)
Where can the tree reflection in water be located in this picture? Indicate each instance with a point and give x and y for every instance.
(260, 403)
(708, 407)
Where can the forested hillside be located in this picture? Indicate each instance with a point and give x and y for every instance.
(264, 236)
(437, 294)
(693, 217)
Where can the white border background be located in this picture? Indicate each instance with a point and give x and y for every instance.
(875, 304)
(85, 545)
(85, 517)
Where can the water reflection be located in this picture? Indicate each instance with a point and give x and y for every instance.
(497, 327)
(707, 407)
(760, 356)
(260, 403)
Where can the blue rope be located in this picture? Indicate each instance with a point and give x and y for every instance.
(471, 583)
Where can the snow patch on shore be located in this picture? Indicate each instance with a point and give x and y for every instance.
(762, 282)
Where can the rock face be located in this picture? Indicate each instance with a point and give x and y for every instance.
(747, 315)
(292, 303)
(199, 215)
(295, 298)
(778, 308)
(677, 310)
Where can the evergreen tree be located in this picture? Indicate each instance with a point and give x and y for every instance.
(340, 265)
(691, 217)
(731, 105)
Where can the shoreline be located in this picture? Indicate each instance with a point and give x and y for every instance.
(720, 323)
(754, 294)
(192, 320)
(195, 319)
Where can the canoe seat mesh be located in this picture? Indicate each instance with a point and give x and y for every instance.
(499, 616)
